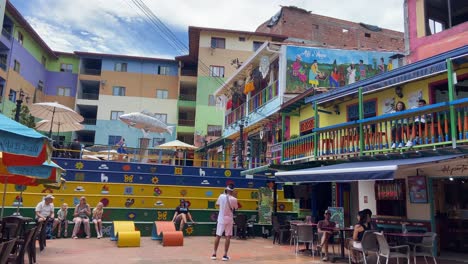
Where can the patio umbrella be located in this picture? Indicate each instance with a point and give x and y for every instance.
(178, 145)
(47, 125)
(22, 145)
(56, 113)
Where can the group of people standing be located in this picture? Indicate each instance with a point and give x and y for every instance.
(81, 215)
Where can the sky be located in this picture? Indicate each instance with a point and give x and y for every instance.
(119, 27)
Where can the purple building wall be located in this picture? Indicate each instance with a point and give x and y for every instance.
(60, 79)
(31, 70)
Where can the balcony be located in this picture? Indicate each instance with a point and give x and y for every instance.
(6, 34)
(89, 121)
(255, 102)
(188, 97)
(263, 97)
(91, 71)
(183, 122)
(89, 96)
(427, 127)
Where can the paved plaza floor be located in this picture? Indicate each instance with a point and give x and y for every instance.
(195, 250)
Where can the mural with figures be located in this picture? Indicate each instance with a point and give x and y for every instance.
(318, 67)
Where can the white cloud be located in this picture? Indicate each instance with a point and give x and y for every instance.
(118, 26)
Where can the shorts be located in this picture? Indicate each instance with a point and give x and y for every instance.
(224, 227)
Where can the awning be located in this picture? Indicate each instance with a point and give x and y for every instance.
(356, 171)
(262, 169)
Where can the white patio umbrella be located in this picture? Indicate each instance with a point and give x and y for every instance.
(47, 125)
(178, 145)
(55, 112)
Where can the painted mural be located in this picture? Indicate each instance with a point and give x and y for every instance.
(317, 67)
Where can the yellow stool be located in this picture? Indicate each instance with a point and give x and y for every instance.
(128, 239)
(124, 226)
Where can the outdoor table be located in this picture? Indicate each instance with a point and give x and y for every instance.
(342, 231)
(21, 221)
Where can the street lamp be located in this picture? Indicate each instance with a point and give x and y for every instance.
(19, 101)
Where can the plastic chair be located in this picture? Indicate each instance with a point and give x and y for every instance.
(250, 225)
(32, 245)
(23, 244)
(386, 251)
(5, 250)
(368, 244)
(278, 230)
(425, 247)
(305, 234)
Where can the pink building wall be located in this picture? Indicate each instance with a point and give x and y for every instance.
(428, 46)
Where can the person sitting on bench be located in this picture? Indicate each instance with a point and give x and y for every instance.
(181, 214)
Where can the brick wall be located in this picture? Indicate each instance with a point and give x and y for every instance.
(327, 31)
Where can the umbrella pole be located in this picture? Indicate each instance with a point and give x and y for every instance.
(19, 202)
(4, 194)
(51, 123)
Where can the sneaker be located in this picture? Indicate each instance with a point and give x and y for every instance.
(87, 237)
(65, 234)
(400, 145)
(225, 258)
(325, 258)
(75, 237)
(98, 237)
(409, 143)
(213, 257)
(393, 145)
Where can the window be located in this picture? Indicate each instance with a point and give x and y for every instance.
(257, 45)
(218, 43)
(118, 91)
(115, 115)
(158, 141)
(163, 70)
(370, 110)
(367, 35)
(435, 26)
(214, 131)
(20, 38)
(12, 95)
(162, 94)
(40, 85)
(63, 91)
(113, 140)
(211, 100)
(216, 71)
(242, 39)
(64, 67)
(161, 117)
(17, 66)
(120, 67)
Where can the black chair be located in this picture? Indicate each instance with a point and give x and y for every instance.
(250, 226)
(32, 245)
(241, 225)
(23, 245)
(279, 230)
(5, 250)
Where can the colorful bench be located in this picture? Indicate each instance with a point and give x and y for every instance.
(125, 234)
(166, 232)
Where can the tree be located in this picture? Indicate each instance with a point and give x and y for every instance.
(25, 117)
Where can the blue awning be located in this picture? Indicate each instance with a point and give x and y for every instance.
(356, 171)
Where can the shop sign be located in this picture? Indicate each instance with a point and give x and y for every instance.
(307, 125)
(456, 168)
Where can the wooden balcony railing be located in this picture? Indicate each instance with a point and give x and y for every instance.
(235, 115)
(263, 97)
(429, 126)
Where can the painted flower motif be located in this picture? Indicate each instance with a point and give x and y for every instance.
(153, 169)
(281, 207)
(131, 216)
(183, 193)
(155, 180)
(189, 230)
(178, 171)
(254, 195)
(227, 173)
(126, 167)
(105, 202)
(157, 191)
(79, 165)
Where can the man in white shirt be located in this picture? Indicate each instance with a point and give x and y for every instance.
(45, 208)
(227, 203)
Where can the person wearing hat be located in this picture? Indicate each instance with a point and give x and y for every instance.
(324, 229)
(45, 213)
(181, 214)
(227, 203)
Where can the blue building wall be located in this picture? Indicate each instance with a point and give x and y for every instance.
(144, 67)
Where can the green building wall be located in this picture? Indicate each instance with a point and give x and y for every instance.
(207, 115)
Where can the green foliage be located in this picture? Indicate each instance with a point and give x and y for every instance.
(25, 117)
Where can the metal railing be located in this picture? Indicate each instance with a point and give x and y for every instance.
(425, 127)
(89, 121)
(188, 97)
(6, 34)
(90, 71)
(183, 122)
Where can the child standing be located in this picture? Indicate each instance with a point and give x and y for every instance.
(62, 220)
(97, 219)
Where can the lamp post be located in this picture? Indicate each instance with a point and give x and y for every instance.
(19, 101)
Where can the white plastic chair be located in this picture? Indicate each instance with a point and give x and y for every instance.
(425, 248)
(305, 234)
(386, 251)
